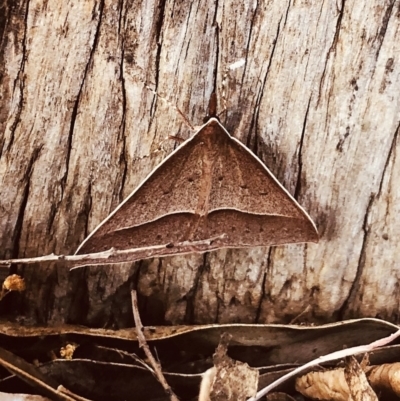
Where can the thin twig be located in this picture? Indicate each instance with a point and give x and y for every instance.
(113, 255)
(143, 344)
(360, 349)
(76, 397)
(32, 375)
(138, 360)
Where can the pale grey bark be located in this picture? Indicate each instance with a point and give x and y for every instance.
(317, 100)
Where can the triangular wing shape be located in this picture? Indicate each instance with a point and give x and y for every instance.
(211, 185)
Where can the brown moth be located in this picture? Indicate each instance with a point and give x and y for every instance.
(211, 186)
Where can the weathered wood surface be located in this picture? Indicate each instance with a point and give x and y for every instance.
(318, 100)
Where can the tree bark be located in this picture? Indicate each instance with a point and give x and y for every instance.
(317, 100)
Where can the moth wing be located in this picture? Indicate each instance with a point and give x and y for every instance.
(244, 201)
(169, 193)
(241, 181)
(248, 203)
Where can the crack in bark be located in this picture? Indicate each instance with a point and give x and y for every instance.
(343, 311)
(332, 48)
(121, 20)
(218, 53)
(391, 151)
(158, 33)
(263, 292)
(298, 184)
(186, 31)
(136, 274)
(21, 81)
(78, 98)
(287, 13)
(250, 35)
(256, 114)
(159, 30)
(123, 159)
(89, 208)
(52, 216)
(254, 121)
(191, 295)
(5, 28)
(220, 300)
(5, 17)
(272, 53)
(383, 28)
(22, 208)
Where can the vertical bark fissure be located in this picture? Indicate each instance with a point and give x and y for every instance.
(22, 208)
(89, 208)
(389, 155)
(305, 269)
(121, 21)
(300, 157)
(78, 99)
(52, 215)
(123, 159)
(186, 50)
(278, 30)
(5, 17)
(263, 291)
(137, 273)
(335, 41)
(332, 48)
(218, 306)
(258, 310)
(287, 13)
(216, 65)
(158, 33)
(360, 265)
(159, 30)
(214, 23)
(254, 120)
(20, 82)
(383, 27)
(18, 224)
(248, 48)
(5, 28)
(191, 295)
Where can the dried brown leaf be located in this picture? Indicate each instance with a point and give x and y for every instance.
(327, 385)
(229, 380)
(359, 388)
(385, 377)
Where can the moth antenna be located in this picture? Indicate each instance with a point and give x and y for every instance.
(176, 108)
(185, 119)
(175, 138)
